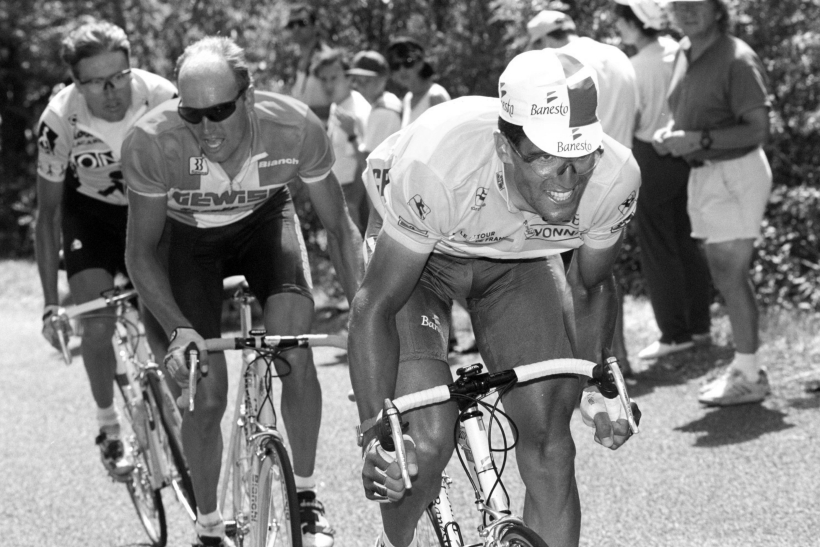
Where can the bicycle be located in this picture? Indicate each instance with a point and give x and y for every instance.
(149, 407)
(265, 509)
(499, 526)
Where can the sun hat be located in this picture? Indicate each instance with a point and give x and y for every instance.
(650, 12)
(554, 98)
(548, 21)
(368, 63)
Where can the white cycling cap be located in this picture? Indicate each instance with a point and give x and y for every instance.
(554, 98)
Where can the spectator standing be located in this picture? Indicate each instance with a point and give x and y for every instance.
(305, 32)
(349, 112)
(720, 120)
(368, 75)
(411, 71)
(676, 273)
(81, 200)
(617, 103)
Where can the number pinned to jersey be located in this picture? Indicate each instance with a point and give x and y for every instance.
(197, 166)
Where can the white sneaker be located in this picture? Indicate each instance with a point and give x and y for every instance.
(661, 349)
(732, 388)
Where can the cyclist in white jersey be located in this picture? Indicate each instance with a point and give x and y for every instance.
(478, 198)
(81, 199)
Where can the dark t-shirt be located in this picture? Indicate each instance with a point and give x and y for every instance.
(715, 90)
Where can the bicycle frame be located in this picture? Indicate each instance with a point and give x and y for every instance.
(258, 423)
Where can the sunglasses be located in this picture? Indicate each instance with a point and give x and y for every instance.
(216, 113)
(547, 165)
(406, 63)
(116, 81)
(297, 23)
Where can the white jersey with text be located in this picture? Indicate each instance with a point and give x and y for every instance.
(84, 151)
(440, 187)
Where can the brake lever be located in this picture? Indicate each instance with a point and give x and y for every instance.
(192, 356)
(391, 413)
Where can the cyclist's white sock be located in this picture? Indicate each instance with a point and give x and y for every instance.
(210, 524)
(384, 542)
(747, 364)
(303, 484)
(108, 417)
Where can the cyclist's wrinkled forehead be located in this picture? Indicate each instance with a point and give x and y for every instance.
(554, 98)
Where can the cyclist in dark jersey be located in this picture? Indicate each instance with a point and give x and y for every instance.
(81, 199)
(207, 176)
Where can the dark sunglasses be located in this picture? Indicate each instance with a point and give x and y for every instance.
(297, 23)
(406, 63)
(216, 113)
(553, 166)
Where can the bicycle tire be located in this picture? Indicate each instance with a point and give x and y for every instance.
(428, 531)
(275, 509)
(147, 502)
(171, 422)
(518, 535)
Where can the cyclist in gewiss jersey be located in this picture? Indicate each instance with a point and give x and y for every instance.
(208, 174)
(81, 198)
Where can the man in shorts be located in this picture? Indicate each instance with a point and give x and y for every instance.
(81, 200)
(207, 178)
(479, 197)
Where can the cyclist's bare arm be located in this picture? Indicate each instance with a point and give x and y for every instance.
(591, 287)
(344, 242)
(373, 342)
(146, 221)
(47, 236)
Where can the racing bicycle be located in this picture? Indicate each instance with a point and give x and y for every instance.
(264, 506)
(499, 526)
(153, 429)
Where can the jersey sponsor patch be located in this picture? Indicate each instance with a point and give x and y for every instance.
(549, 232)
(499, 180)
(418, 205)
(46, 138)
(627, 203)
(82, 138)
(211, 201)
(410, 228)
(622, 223)
(95, 159)
(197, 166)
(434, 323)
(274, 163)
(480, 196)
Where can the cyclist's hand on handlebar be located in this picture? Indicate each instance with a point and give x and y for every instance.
(176, 360)
(381, 475)
(606, 416)
(53, 324)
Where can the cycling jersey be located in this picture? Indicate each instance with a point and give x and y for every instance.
(439, 186)
(83, 150)
(161, 157)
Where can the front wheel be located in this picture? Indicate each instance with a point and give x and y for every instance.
(147, 502)
(272, 514)
(518, 535)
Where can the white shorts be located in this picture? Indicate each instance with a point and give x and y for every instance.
(727, 199)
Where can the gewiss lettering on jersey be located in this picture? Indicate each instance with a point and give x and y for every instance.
(198, 200)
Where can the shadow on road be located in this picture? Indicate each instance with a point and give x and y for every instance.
(737, 424)
(679, 368)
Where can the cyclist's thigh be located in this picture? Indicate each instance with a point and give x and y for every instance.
(516, 309)
(271, 253)
(195, 272)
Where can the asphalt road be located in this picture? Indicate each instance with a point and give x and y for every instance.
(744, 476)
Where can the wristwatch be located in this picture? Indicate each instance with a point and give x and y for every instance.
(705, 139)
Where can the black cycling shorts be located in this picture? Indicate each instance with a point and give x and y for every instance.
(266, 247)
(93, 235)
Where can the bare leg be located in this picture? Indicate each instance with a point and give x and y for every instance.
(729, 263)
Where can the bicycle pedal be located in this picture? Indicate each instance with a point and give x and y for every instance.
(230, 528)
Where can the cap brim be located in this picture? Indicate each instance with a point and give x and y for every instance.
(362, 72)
(566, 142)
